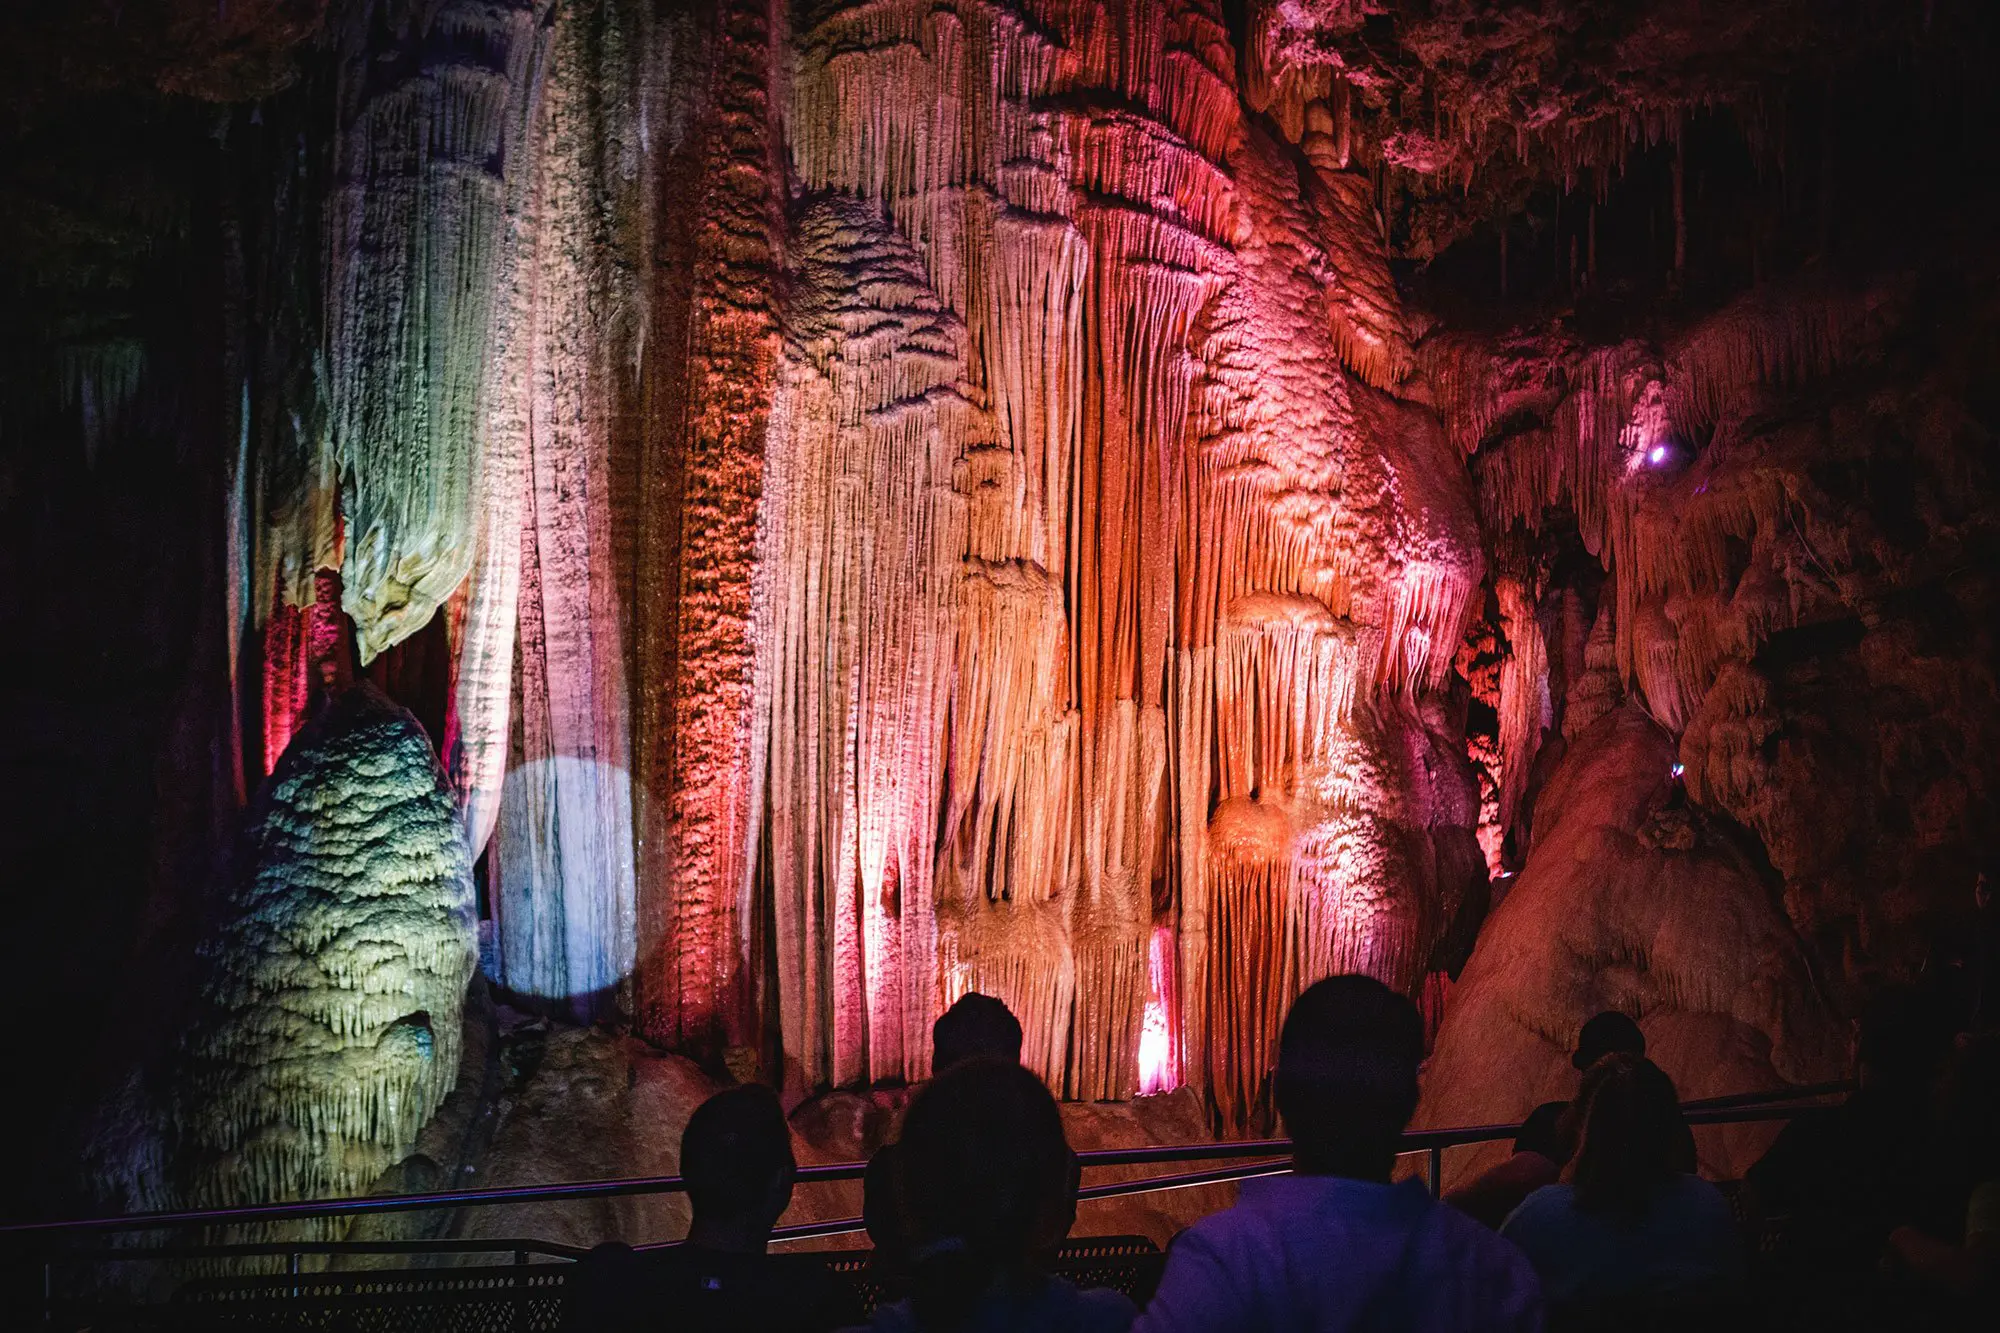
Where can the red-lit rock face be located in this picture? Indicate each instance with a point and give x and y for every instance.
(1628, 901)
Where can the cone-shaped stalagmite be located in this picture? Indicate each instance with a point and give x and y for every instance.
(328, 1026)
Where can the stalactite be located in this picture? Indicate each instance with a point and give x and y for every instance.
(1644, 451)
(858, 545)
(485, 609)
(328, 1030)
(1251, 964)
(1772, 336)
(1099, 494)
(1333, 546)
(417, 221)
(564, 906)
(1524, 695)
(98, 380)
(1367, 893)
(1077, 240)
(1722, 751)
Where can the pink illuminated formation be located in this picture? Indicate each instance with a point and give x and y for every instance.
(1020, 557)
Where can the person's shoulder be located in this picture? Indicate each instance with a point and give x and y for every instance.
(1545, 1208)
(1229, 1229)
(1458, 1232)
(1482, 1262)
(1556, 1200)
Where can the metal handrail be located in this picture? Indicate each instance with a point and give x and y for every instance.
(287, 1248)
(1801, 1093)
(1743, 1107)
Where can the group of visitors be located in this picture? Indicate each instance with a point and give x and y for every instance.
(1597, 1219)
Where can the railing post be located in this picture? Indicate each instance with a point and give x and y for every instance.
(520, 1290)
(48, 1293)
(1437, 1170)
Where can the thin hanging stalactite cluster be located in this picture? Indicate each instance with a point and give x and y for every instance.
(564, 892)
(857, 546)
(1196, 531)
(1648, 448)
(414, 230)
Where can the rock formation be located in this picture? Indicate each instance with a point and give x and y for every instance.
(1629, 901)
(327, 1030)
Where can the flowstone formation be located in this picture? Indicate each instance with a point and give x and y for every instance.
(327, 1029)
(1630, 900)
(910, 583)
(1209, 565)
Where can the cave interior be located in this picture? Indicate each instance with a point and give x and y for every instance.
(710, 529)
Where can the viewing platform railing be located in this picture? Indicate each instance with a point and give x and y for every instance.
(48, 1242)
(51, 1243)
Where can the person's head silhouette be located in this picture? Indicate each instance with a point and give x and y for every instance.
(1902, 1040)
(1605, 1034)
(1630, 1140)
(977, 1025)
(1347, 1076)
(986, 1182)
(736, 1157)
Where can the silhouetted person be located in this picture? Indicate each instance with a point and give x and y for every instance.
(985, 1185)
(1548, 1136)
(1334, 1246)
(1628, 1231)
(1843, 1176)
(1602, 1034)
(977, 1026)
(736, 1156)
(1967, 1265)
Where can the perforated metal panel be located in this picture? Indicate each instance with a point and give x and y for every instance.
(524, 1298)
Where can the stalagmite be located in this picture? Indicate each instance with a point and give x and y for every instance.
(1596, 691)
(328, 1029)
(1628, 901)
(304, 651)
